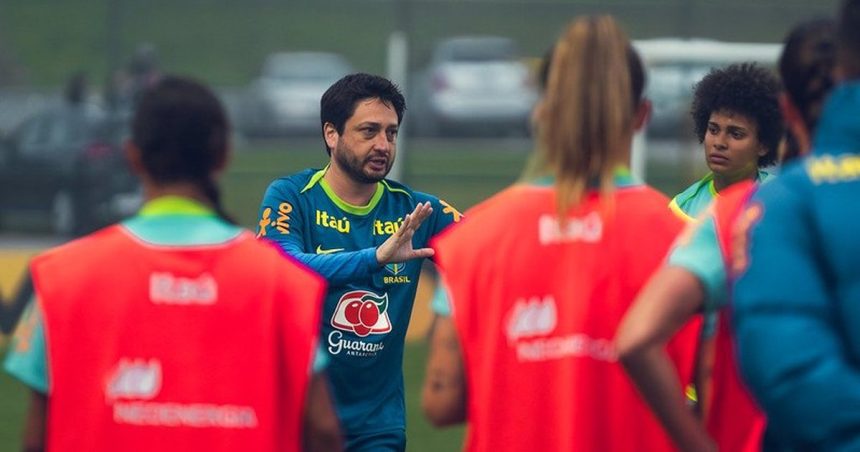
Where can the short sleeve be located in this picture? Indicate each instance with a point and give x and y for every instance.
(26, 359)
(698, 251)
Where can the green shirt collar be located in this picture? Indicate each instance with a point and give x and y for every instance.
(622, 177)
(174, 205)
(340, 203)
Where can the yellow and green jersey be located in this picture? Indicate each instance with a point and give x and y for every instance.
(697, 197)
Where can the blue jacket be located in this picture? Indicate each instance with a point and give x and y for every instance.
(797, 305)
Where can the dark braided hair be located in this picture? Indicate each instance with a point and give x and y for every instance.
(806, 67)
(182, 131)
(747, 89)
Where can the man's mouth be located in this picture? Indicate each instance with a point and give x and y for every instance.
(379, 163)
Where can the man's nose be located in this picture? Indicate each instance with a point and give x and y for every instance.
(381, 142)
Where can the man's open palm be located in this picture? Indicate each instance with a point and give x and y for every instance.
(398, 247)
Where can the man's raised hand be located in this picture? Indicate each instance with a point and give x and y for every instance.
(398, 247)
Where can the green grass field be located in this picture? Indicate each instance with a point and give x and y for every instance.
(422, 437)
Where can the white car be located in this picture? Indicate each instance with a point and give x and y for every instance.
(285, 98)
(474, 85)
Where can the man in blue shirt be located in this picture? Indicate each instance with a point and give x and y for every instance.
(357, 229)
(797, 305)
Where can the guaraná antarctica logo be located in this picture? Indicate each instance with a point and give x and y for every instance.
(362, 313)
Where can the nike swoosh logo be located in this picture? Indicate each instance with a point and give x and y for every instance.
(320, 250)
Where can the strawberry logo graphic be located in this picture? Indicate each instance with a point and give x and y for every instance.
(362, 313)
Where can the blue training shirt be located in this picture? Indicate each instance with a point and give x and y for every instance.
(367, 307)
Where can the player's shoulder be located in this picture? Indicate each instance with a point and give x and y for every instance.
(102, 241)
(296, 183)
(643, 200)
(794, 180)
(264, 256)
(502, 204)
(646, 205)
(398, 190)
(696, 190)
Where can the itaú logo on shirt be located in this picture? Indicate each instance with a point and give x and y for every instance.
(167, 288)
(529, 327)
(531, 317)
(134, 379)
(134, 382)
(587, 229)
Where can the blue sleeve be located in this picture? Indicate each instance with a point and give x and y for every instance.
(281, 214)
(320, 361)
(26, 359)
(698, 251)
(444, 214)
(789, 345)
(440, 303)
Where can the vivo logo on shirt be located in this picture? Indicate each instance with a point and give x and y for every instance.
(167, 288)
(587, 229)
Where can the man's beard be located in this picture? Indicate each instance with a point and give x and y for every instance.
(354, 168)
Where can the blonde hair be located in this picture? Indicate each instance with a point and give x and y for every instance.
(587, 118)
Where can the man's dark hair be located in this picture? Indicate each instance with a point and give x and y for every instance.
(746, 89)
(848, 35)
(339, 102)
(182, 131)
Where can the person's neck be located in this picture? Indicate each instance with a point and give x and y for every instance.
(348, 190)
(723, 181)
(181, 189)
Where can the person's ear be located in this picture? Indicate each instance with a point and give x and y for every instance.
(642, 114)
(331, 136)
(134, 158)
(223, 160)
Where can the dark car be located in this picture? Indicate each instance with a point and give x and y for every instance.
(65, 168)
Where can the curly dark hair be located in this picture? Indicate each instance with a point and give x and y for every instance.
(746, 89)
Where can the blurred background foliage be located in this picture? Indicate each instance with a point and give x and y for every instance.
(224, 41)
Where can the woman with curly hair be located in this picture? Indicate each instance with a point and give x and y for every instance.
(696, 278)
(736, 117)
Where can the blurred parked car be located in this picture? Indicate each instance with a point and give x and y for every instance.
(65, 167)
(473, 85)
(675, 65)
(285, 98)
